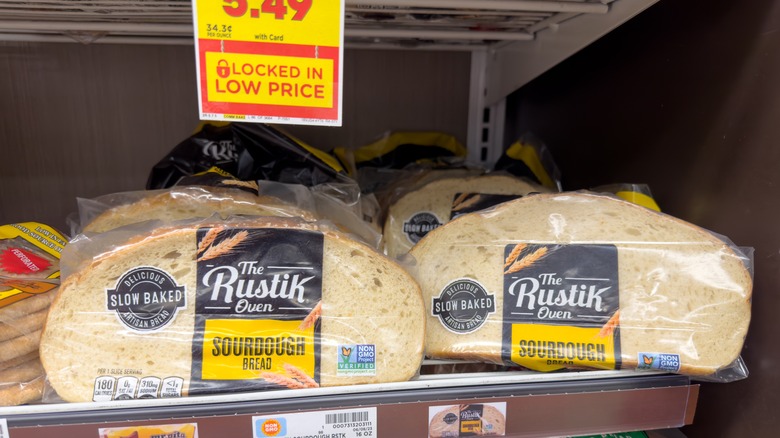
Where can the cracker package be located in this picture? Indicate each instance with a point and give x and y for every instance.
(29, 276)
(242, 304)
(572, 280)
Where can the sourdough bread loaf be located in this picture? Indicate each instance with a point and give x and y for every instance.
(682, 291)
(366, 299)
(188, 202)
(433, 204)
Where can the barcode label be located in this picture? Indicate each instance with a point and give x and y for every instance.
(346, 417)
(4, 428)
(342, 423)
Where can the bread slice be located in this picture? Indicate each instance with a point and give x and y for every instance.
(366, 299)
(681, 289)
(188, 202)
(436, 197)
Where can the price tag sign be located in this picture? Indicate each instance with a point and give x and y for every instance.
(274, 61)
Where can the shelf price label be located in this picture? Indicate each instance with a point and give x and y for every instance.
(275, 61)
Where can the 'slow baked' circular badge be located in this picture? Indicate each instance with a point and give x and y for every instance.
(463, 305)
(146, 299)
(420, 224)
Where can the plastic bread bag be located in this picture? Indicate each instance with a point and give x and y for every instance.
(342, 204)
(249, 151)
(21, 380)
(530, 158)
(29, 276)
(215, 306)
(635, 193)
(572, 280)
(227, 196)
(398, 159)
(443, 196)
(401, 149)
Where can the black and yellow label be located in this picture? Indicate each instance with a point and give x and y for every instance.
(257, 310)
(561, 306)
(544, 347)
(243, 349)
(471, 420)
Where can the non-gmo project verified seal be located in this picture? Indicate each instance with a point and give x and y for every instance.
(356, 360)
(659, 361)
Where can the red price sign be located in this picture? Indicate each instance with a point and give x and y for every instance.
(276, 61)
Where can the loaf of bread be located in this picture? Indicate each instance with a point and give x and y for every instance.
(672, 296)
(188, 202)
(433, 204)
(366, 300)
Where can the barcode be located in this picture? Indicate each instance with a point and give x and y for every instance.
(346, 417)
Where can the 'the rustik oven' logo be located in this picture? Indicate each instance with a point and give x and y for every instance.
(463, 306)
(146, 299)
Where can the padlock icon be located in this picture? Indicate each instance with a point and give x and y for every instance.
(223, 69)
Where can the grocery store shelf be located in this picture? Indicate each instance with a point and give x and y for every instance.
(465, 24)
(522, 38)
(536, 404)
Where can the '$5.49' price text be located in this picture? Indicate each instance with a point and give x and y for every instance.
(278, 8)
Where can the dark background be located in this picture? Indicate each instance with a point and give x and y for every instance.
(686, 98)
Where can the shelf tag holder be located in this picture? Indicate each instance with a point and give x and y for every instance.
(269, 61)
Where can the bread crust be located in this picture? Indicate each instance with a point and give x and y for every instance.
(191, 202)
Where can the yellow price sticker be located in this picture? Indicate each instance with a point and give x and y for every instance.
(305, 22)
(271, 61)
(271, 80)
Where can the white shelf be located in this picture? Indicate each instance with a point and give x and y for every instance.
(520, 38)
(540, 404)
(402, 22)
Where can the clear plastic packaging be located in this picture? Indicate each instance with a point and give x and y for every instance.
(395, 153)
(530, 158)
(442, 196)
(573, 280)
(215, 306)
(21, 382)
(636, 193)
(181, 202)
(217, 192)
